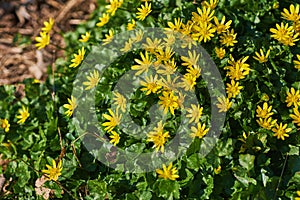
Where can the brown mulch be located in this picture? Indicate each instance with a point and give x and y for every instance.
(22, 20)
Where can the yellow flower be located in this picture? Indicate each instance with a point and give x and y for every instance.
(186, 29)
(275, 5)
(233, 89)
(284, 34)
(297, 62)
(48, 25)
(43, 40)
(281, 131)
(220, 52)
(282, 31)
(169, 172)
(138, 36)
(298, 193)
(168, 68)
(203, 16)
(187, 42)
(195, 113)
(176, 26)
(54, 171)
(191, 60)
(103, 20)
(36, 81)
(128, 46)
(150, 85)
(143, 65)
(217, 170)
(194, 71)
(86, 37)
(212, 4)
(245, 136)
(293, 98)
(221, 26)
(291, 39)
(113, 6)
(144, 11)
(296, 116)
(293, 15)
(113, 120)
(262, 58)
(71, 106)
(223, 104)
(24, 114)
(265, 97)
(238, 69)
(264, 112)
(200, 131)
(169, 84)
(108, 37)
(188, 81)
(203, 32)
(169, 40)
(120, 101)
(296, 26)
(228, 38)
(164, 54)
(168, 101)
(115, 138)
(152, 45)
(266, 123)
(78, 58)
(180, 100)
(131, 26)
(158, 137)
(4, 124)
(93, 80)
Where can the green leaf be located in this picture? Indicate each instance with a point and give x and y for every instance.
(242, 176)
(264, 177)
(293, 150)
(168, 189)
(194, 161)
(97, 189)
(246, 161)
(145, 195)
(224, 148)
(189, 176)
(22, 173)
(209, 181)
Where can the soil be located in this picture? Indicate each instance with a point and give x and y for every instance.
(21, 21)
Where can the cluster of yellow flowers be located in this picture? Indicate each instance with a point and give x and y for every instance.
(264, 116)
(111, 10)
(44, 38)
(293, 99)
(265, 113)
(159, 56)
(285, 33)
(288, 33)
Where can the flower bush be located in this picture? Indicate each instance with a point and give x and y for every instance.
(255, 46)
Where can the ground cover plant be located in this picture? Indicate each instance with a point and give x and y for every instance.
(53, 150)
